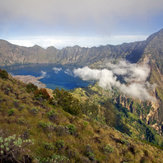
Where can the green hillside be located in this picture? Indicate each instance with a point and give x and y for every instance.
(36, 127)
(125, 114)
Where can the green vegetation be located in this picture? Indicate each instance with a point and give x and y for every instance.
(12, 148)
(53, 158)
(31, 87)
(68, 127)
(60, 144)
(3, 74)
(41, 94)
(108, 149)
(71, 129)
(104, 107)
(85, 125)
(11, 112)
(67, 101)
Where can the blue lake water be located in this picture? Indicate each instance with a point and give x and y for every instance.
(55, 76)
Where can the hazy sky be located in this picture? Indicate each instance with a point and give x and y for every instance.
(82, 22)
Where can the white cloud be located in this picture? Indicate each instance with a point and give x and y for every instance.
(135, 76)
(43, 74)
(68, 72)
(133, 72)
(63, 41)
(56, 69)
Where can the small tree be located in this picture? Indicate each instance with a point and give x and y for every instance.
(3, 74)
(42, 94)
(31, 87)
(67, 101)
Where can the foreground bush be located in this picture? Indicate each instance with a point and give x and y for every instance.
(55, 158)
(31, 87)
(3, 74)
(41, 94)
(12, 148)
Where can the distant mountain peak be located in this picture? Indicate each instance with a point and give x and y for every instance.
(51, 48)
(37, 47)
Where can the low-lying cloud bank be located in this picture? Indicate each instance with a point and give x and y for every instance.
(131, 72)
(134, 77)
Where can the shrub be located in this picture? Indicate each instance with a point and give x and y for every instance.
(67, 101)
(11, 112)
(145, 160)
(61, 130)
(16, 104)
(41, 94)
(12, 147)
(42, 124)
(85, 123)
(89, 153)
(59, 158)
(60, 144)
(150, 135)
(71, 152)
(90, 110)
(46, 126)
(34, 111)
(48, 146)
(3, 74)
(72, 129)
(125, 141)
(21, 121)
(31, 87)
(52, 115)
(21, 107)
(54, 158)
(108, 149)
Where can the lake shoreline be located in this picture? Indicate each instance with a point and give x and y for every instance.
(30, 79)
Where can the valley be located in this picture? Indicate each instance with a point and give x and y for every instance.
(84, 104)
(81, 81)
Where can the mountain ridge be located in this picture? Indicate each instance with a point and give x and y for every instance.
(14, 54)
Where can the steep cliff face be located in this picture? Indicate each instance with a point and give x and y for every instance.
(157, 78)
(149, 111)
(145, 110)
